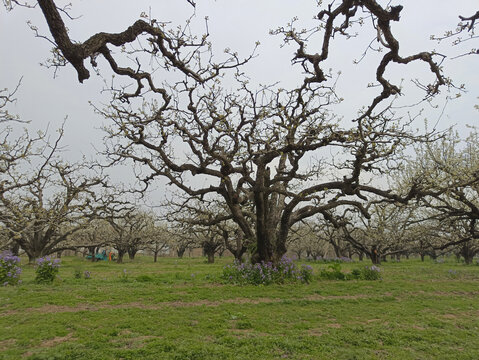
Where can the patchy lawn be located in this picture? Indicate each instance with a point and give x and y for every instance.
(178, 309)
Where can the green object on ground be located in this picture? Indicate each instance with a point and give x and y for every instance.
(99, 256)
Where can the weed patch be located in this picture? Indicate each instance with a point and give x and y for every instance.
(267, 273)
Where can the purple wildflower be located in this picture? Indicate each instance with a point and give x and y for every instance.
(9, 269)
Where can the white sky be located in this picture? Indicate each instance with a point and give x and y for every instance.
(234, 24)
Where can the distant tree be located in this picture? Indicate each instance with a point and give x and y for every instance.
(210, 239)
(335, 237)
(95, 235)
(210, 224)
(44, 200)
(449, 175)
(421, 238)
(17, 153)
(306, 238)
(61, 200)
(234, 239)
(158, 240)
(13, 153)
(456, 237)
(201, 230)
(132, 231)
(181, 239)
(383, 232)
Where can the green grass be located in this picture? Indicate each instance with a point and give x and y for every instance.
(178, 309)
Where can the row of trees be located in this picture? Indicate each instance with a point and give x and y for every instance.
(444, 219)
(258, 164)
(58, 207)
(48, 205)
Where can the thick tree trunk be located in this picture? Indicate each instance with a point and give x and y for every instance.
(375, 258)
(264, 251)
(239, 249)
(33, 255)
(337, 250)
(121, 253)
(209, 249)
(269, 248)
(91, 251)
(238, 253)
(132, 251)
(280, 249)
(155, 256)
(181, 252)
(15, 249)
(270, 243)
(467, 254)
(211, 257)
(468, 259)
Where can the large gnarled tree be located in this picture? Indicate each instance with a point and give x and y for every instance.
(256, 150)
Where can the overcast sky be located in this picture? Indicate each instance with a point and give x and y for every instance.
(235, 24)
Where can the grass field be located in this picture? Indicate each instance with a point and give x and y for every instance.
(178, 309)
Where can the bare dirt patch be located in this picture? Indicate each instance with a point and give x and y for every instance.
(334, 325)
(456, 293)
(5, 344)
(134, 342)
(57, 340)
(417, 327)
(338, 297)
(246, 333)
(315, 332)
(257, 301)
(450, 316)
